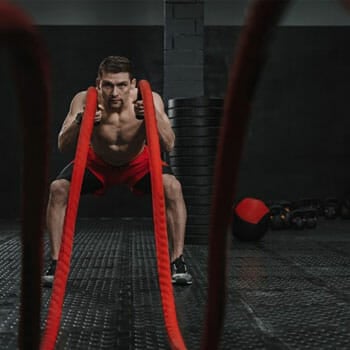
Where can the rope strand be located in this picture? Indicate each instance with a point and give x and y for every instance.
(63, 265)
(159, 220)
(30, 66)
(263, 16)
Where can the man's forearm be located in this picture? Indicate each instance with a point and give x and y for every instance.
(68, 137)
(166, 135)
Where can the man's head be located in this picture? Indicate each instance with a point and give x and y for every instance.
(115, 80)
(115, 64)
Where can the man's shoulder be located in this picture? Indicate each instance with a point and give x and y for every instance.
(155, 94)
(80, 96)
(157, 98)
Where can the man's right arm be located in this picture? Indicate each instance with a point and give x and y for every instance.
(68, 136)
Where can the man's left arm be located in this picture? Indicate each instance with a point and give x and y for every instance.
(166, 133)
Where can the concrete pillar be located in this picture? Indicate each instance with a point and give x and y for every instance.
(183, 48)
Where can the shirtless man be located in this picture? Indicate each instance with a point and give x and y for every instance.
(117, 155)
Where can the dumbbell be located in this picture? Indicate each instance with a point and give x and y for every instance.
(304, 218)
(297, 219)
(310, 215)
(279, 217)
(331, 208)
(309, 203)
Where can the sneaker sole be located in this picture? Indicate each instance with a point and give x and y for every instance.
(181, 279)
(47, 281)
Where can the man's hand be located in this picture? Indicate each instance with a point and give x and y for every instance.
(138, 106)
(139, 109)
(99, 114)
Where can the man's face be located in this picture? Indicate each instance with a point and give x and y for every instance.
(115, 89)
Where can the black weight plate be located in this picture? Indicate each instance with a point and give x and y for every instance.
(198, 219)
(190, 191)
(199, 201)
(193, 163)
(193, 151)
(204, 211)
(198, 170)
(196, 180)
(197, 229)
(197, 204)
(192, 171)
(195, 101)
(196, 142)
(211, 131)
(178, 161)
(198, 112)
(202, 192)
(195, 122)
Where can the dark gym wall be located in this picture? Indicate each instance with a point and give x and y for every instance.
(298, 144)
(298, 141)
(76, 52)
(151, 12)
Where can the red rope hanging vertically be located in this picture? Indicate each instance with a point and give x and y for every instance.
(263, 16)
(159, 220)
(29, 61)
(61, 276)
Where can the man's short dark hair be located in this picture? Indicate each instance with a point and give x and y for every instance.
(115, 64)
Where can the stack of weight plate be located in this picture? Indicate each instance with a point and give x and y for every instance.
(196, 123)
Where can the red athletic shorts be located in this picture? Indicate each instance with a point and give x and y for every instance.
(108, 175)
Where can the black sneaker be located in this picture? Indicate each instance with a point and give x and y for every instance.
(179, 272)
(48, 278)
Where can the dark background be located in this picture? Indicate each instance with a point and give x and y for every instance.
(298, 144)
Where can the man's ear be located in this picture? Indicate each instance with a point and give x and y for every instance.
(98, 83)
(133, 82)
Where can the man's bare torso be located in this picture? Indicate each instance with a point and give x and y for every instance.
(119, 137)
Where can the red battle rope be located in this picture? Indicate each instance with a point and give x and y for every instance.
(29, 60)
(263, 16)
(159, 220)
(61, 276)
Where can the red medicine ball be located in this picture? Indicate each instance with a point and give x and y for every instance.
(250, 219)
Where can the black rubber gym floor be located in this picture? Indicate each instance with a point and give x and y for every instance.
(290, 291)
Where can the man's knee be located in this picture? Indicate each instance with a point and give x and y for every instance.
(59, 190)
(172, 187)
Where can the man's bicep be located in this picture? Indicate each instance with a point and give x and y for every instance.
(159, 106)
(78, 104)
(75, 107)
